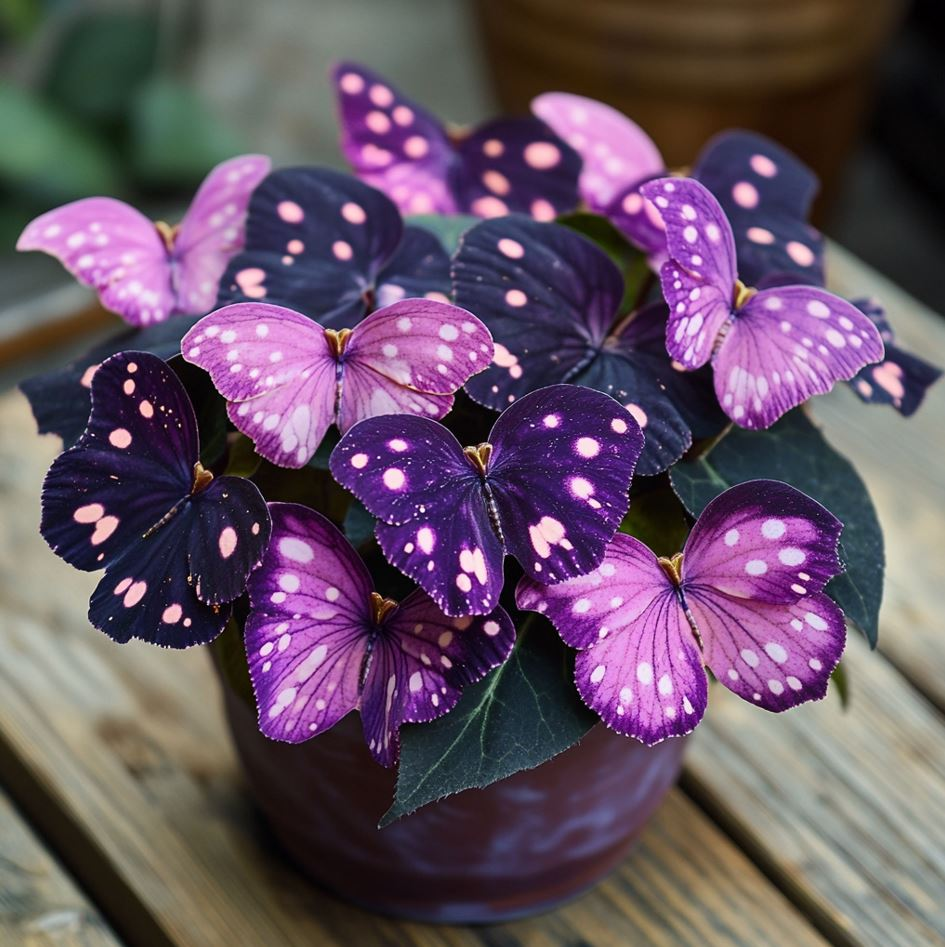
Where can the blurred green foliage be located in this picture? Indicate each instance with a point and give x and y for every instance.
(105, 110)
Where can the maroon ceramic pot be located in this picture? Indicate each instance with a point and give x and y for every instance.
(516, 847)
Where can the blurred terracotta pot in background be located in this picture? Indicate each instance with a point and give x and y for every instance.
(796, 70)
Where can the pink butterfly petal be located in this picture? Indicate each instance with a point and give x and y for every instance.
(638, 666)
(615, 150)
(773, 655)
(763, 540)
(699, 278)
(392, 142)
(213, 229)
(305, 640)
(639, 221)
(784, 346)
(422, 344)
(108, 245)
(277, 371)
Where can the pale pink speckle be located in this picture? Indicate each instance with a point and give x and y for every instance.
(511, 248)
(172, 614)
(745, 194)
(493, 148)
(416, 146)
(381, 96)
(227, 542)
(119, 438)
(295, 246)
(134, 594)
(377, 122)
(90, 513)
(353, 213)
(542, 155)
(763, 165)
(760, 235)
(86, 380)
(290, 212)
(342, 250)
(515, 297)
(542, 210)
(802, 255)
(103, 529)
(129, 386)
(146, 409)
(351, 83)
(489, 207)
(497, 182)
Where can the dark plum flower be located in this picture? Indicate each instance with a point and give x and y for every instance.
(327, 245)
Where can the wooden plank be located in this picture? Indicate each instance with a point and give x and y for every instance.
(40, 905)
(901, 460)
(845, 809)
(120, 754)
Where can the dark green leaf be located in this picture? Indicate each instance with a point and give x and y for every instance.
(358, 524)
(209, 407)
(176, 139)
(795, 451)
(46, 153)
(320, 458)
(101, 62)
(448, 228)
(521, 715)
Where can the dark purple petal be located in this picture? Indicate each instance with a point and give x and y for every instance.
(638, 219)
(134, 462)
(562, 460)
(315, 242)
(392, 142)
(547, 295)
(420, 267)
(901, 379)
(515, 165)
(763, 540)
(766, 193)
(126, 499)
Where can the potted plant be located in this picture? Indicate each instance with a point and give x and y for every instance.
(509, 478)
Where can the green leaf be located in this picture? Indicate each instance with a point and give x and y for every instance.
(46, 153)
(630, 261)
(101, 62)
(795, 451)
(358, 524)
(522, 714)
(449, 228)
(175, 138)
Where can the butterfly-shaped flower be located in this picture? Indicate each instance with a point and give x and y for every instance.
(176, 543)
(327, 245)
(146, 271)
(502, 166)
(549, 487)
(287, 379)
(743, 598)
(765, 191)
(551, 299)
(770, 349)
(901, 379)
(321, 642)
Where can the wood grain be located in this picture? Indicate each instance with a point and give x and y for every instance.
(845, 810)
(120, 755)
(903, 463)
(40, 905)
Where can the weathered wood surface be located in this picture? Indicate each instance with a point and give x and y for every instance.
(40, 905)
(120, 756)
